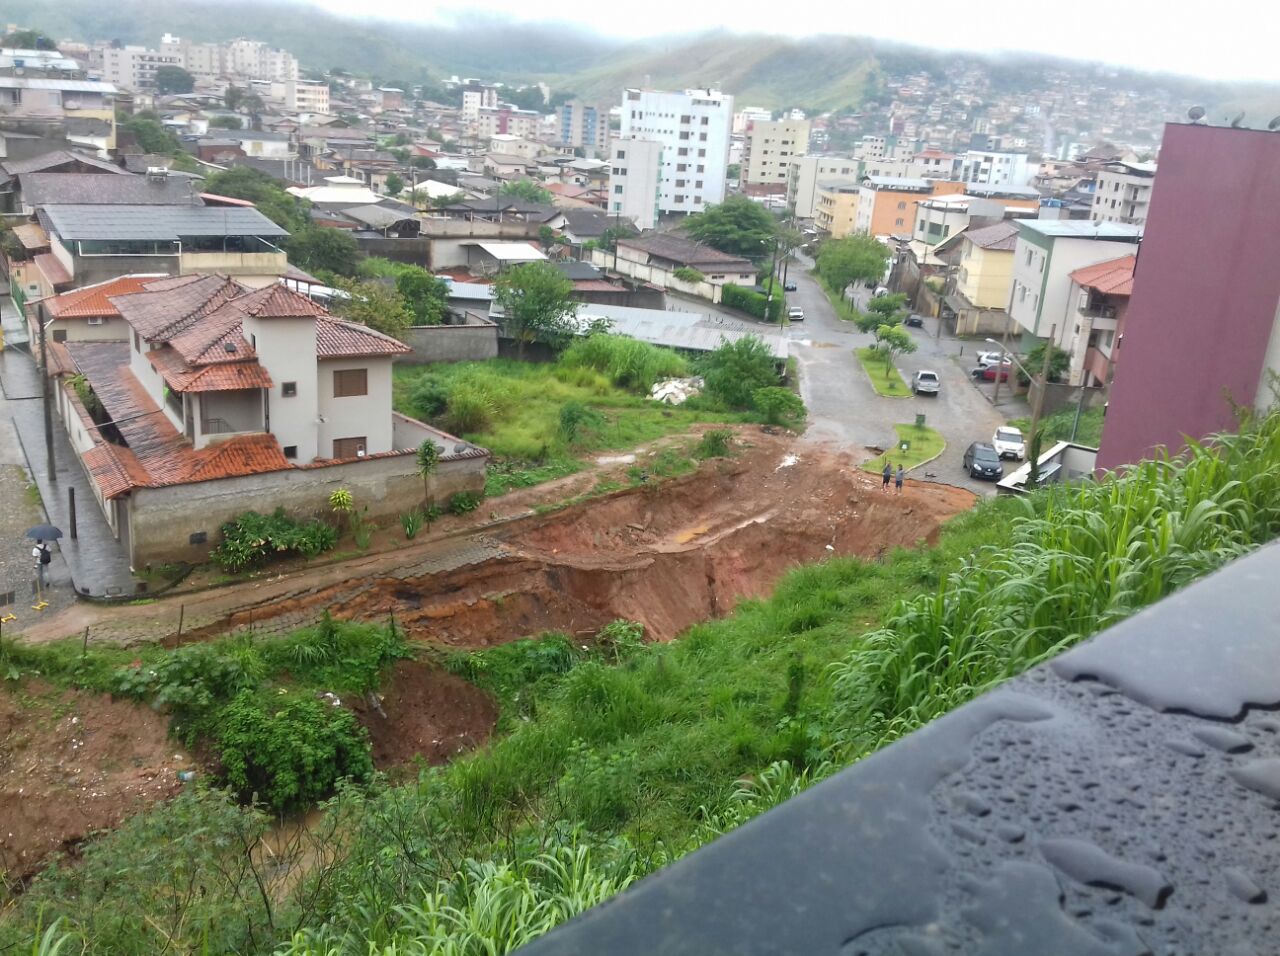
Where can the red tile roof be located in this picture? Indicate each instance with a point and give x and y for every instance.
(92, 301)
(53, 270)
(336, 338)
(170, 305)
(156, 454)
(278, 302)
(1112, 277)
(224, 376)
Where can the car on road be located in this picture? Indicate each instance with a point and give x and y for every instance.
(991, 358)
(788, 287)
(796, 314)
(879, 291)
(1008, 443)
(988, 373)
(914, 321)
(981, 461)
(925, 382)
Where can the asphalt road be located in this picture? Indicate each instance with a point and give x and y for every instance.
(845, 410)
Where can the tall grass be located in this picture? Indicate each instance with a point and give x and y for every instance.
(1081, 558)
(627, 363)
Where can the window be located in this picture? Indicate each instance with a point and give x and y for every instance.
(698, 184)
(897, 222)
(622, 154)
(1028, 257)
(350, 382)
(922, 225)
(684, 134)
(702, 136)
(681, 167)
(288, 389)
(686, 119)
(902, 205)
(59, 335)
(702, 168)
(679, 184)
(348, 447)
(291, 451)
(702, 154)
(679, 198)
(617, 190)
(705, 120)
(96, 320)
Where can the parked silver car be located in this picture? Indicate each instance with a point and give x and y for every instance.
(925, 382)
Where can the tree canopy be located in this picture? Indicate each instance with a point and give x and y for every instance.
(244, 182)
(426, 296)
(394, 185)
(891, 341)
(373, 303)
(737, 226)
(842, 262)
(226, 122)
(537, 304)
(149, 134)
(174, 79)
(318, 249)
(1059, 362)
(528, 190)
(736, 370)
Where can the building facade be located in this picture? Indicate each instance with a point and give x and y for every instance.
(805, 174)
(1202, 333)
(1101, 292)
(693, 129)
(635, 180)
(995, 168)
(1123, 193)
(770, 149)
(887, 205)
(583, 126)
(836, 210)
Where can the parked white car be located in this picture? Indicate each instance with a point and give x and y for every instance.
(1008, 443)
(796, 314)
(991, 358)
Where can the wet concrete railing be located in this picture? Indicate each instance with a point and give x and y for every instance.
(1123, 799)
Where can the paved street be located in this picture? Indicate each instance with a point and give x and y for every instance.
(845, 410)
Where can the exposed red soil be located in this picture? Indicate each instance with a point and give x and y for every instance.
(73, 763)
(423, 711)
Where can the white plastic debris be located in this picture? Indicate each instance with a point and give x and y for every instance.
(676, 391)
(787, 462)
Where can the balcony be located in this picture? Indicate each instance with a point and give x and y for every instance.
(1118, 799)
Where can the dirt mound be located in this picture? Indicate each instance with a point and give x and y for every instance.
(423, 711)
(72, 763)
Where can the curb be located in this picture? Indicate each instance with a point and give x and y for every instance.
(857, 358)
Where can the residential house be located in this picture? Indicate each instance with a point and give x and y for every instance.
(1101, 294)
(504, 144)
(489, 258)
(507, 119)
(887, 205)
(806, 174)
(692, 129)
(1202, 331)
(226, 399)
(656, 259)
(1123, 192)
(157, 188)
(42, 89)
(14, 171)
(982, 268)
(504, 166)
(836, 211)
(771, 146)
(1047, 252)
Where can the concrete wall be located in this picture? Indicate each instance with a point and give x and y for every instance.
(234, 263)
(415, 251)
(241, 409)
(476, 341)
(661, 277)
(356, 415)
(162, 520)
(79, 330)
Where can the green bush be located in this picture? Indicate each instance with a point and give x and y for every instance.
(253, 539)
(288, 748)
(688, 274)
(464, 502)
(628, 363)
(734, 371)
(778, 406)
(752, 303)
(470, 409)
(576, 419)
(429, 396)
(714, 444)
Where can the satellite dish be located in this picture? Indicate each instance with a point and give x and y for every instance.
(1195, 114)
(1237, 120)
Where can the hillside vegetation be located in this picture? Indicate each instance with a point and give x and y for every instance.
(616, 757)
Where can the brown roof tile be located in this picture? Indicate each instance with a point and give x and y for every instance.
(53, 270)
(32, 236)
(1111, 277)
(169, 306)
(336, 338)
(94, 300)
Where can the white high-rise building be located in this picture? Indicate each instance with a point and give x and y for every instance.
(693, 130)
(743, 119)
(635, 180)
(992, 167)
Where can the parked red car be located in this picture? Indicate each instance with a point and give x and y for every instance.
(987, 373)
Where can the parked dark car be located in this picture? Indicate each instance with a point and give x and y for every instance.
(788, 287)
(914, 321)
(988, 373)
(981, 461)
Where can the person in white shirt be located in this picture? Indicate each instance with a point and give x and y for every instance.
(41, 555)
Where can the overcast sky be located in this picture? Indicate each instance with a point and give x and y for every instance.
(1225, 40)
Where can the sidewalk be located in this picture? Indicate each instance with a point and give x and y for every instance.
(97, 564)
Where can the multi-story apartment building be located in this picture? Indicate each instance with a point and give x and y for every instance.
(872, 147)
(806, 174)
(635, 180)
(49, 89)
(475, 98)
(259, 61)
(507, 120)
(134, 67)
(302, 96)
(743, 119)
(693, 129)
(583, 126)
(1123, 193)
(1202, 331)
(770, 148)
(996, 168)
(887, 205)
(836, 208)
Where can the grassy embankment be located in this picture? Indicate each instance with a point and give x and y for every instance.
(885, 379)
(925, 445)
(615, 761)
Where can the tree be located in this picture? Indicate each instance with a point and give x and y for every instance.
(735, 370)
(372, 303)
(527, 190)
(546, 237)
(244, 182)
(609, 238)
(892, 341)
(1059, 362)
(149, 134)
(733, 171)
(537, 304)
(226, 122)
(317, 248)
(889, 307)
(422, 162)
(841, 262)
(427, 458)
(779, 406)
(233, 97)
(27, 40)
(737, 226)
(426, 296)
(394, 185)
(174, 79)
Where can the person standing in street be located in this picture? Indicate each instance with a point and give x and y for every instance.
(886, 475)
(898, 478)
(41, 555)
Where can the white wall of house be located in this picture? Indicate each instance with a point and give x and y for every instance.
(237, 411)
(286, 348)
(635, 180)
(806, 173)
(356, 416)
(1042, 282)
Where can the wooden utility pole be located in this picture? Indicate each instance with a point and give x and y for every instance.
(1038, 404)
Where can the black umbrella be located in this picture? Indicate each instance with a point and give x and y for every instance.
(44, 532)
